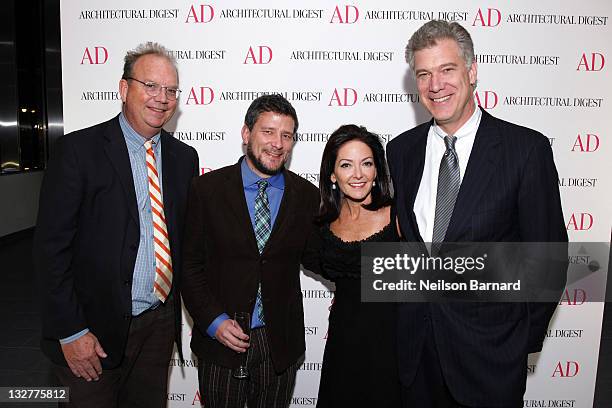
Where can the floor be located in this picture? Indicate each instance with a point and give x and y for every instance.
(21, 361)
(23, 364)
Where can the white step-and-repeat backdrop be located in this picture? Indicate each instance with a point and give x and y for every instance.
(544, 64)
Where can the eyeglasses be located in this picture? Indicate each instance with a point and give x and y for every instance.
(153, 89)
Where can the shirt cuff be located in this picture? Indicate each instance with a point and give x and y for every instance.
(212, 329)
(74, 337)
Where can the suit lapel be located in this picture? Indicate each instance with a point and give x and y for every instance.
(169, 180)
(169, 172)
(116, 150)
(415, 163)
(236, 202)
(287, 202)
(480, 168)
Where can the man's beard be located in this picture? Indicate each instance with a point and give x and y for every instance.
(259, 165)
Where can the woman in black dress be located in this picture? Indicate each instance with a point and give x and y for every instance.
(359, 365)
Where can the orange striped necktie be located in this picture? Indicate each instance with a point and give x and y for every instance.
(161, 242)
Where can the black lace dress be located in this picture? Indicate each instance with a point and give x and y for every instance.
(359, 363)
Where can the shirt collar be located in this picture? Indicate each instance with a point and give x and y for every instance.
(468, 128)
(249, 177)
(132, 138)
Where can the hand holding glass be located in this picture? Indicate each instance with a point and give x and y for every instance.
(243, 319)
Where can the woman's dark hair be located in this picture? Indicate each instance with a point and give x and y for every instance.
(331, 199)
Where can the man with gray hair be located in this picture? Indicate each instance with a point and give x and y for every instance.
(466, 176)
(107, 244)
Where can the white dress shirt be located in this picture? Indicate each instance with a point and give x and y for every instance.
(425, 201)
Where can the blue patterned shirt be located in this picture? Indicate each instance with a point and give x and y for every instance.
(144, 269)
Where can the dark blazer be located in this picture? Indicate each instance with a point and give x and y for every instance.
(87, 235)
(509, 193)
(223, 266)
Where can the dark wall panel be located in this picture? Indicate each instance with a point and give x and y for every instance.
(9, 140)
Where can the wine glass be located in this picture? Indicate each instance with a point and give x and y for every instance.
(244, 321)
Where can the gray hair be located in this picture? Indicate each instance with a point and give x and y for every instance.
(431, 32)
(148, 48)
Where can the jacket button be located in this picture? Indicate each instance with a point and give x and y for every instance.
(127, 282)
(127, 316)
(264, 261)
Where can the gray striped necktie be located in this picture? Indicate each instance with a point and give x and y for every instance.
(449, 181)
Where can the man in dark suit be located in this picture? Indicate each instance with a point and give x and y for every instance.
(468, 176)
(248, 228)
(107, 244)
